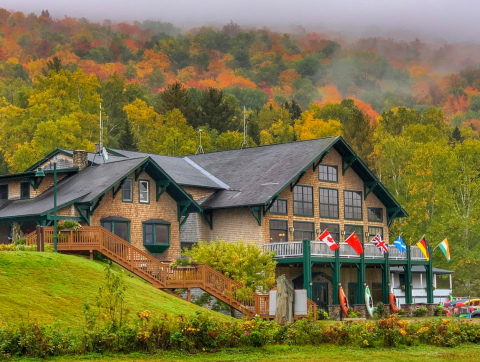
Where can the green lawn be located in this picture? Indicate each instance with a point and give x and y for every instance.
(324, 353)
(46, 287)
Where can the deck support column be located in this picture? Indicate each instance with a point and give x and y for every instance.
(385, 279)
(408, 277)
(429, 272)
(336, 277)
(361, 278)
(189, 295)
(307, 268)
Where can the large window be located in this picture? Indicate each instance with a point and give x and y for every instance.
(329, 203)
(156, 235)
(333, 229)
(303, 200)
(375, 214)
(278, 231)
(119, 226)
(353, 205)
(374, 230)
(24, 190)
(358, 229)
(279, 207)
(328, 173)
(303, 230)
(127, 190)
(3, 192)
(144, 191)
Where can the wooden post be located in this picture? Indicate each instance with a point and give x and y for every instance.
(39, 238)
(42, 239)
(91, 254)
(189, 295)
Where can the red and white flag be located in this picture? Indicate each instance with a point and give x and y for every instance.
(327, 238)
(354, 242)
(380, 244)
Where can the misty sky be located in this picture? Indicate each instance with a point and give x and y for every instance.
(451, 20)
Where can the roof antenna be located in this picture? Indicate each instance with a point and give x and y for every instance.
(99, 149)
(244, 144)
(200, 148)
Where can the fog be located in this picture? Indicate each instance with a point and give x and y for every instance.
(440, 20)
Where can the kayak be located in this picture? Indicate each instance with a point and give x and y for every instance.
(369, 301)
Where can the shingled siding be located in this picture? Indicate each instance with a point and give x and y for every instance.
(165, 208)
(350, 181)
(14, 186)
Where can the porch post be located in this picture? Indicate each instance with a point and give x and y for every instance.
(386, 279)
(429, 270)
(361, 278)
(336, 277)
(408, 277)
(307, 268)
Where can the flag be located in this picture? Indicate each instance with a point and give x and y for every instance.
(380, 244)
(445, 248)
(423, 246)
(354, 242)
(327, 238)
(400, 244)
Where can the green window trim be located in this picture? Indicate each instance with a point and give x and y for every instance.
(351, 228)
(297, 224)
(272, 212)
(156, 226)
(128, 180)
(4, 192)
(328, 172)
(374, 230)
(278, 226)
(302, 202)
(24, 190)
(379, 220)
(353, 207)
(333, 229)
(140, 192)
(328, 204)
(113, 222)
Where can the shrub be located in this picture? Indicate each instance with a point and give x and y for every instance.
(322, 314)
(381, 311)
(420, 312)
(401, 312)
(440, 311)
(69, 224)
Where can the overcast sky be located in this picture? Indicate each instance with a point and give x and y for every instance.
(452, 20)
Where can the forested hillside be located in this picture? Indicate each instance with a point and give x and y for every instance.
(410, 109)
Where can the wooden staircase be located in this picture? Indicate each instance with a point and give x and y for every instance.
(160, 275)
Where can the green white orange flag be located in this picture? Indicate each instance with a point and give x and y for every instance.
(423, 246)
(445, 248)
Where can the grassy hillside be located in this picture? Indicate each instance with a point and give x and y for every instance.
(46, 287)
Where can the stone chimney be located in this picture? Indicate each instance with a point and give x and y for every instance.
(80, 159)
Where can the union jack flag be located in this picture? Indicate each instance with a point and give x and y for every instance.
(380, 244)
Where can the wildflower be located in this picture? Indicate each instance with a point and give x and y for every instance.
(403, 332)
(246, 333)
(365, 342)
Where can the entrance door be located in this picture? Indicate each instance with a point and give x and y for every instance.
(320, 295)
(352, 294)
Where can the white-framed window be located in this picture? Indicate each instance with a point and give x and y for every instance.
(144, 191)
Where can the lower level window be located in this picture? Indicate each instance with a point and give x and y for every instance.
(375, 230)
(333, 229)
(278, 231)
(187, 245)
(303, 230)
(156, 235)
(119, 227)
(358, 229)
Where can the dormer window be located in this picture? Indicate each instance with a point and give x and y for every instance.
(24, 190)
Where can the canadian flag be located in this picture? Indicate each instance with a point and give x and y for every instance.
(327, 238)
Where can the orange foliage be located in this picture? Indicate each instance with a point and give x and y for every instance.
(151, 61)
(471, 92)
(90, 67)
(95, 43)
(330, 94)
(131, 45)
(287, 77)
(208, 83)
(35, 68)
(421, 93)
(455, 105)
(367, 109)
(417, 71)
(313, 42)
(67, 57)
(186, 74)
(12, 49)
(397, 63)
(474, 124)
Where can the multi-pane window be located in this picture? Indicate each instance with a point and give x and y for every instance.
(119, 227)
(24, 190)
(303, 200)
(3, 192)
(353, 205)
(328, 173)
(278, 231)
(329, 203)
(143, 191)
(187, 245)
(358, 229)
(375, 214)
(156, 234)
(303, 230)
(333, 229)
(374, 230)
(279, 207)
(127, 190)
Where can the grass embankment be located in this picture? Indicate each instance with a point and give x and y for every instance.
(324, 353)
(45, 287)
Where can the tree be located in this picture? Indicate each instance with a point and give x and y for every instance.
(232, 140)
(217, 110)
(310, 128)
(127, 141)
(175, 96)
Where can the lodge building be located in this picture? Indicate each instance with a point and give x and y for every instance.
(274, 196)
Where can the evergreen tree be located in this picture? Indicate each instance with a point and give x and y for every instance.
(127, 141)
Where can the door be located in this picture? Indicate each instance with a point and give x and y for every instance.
(352, 294)
(320, 295)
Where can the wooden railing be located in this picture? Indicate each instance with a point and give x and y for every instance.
(160, 275)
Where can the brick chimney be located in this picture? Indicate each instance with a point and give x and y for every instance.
(80, 159)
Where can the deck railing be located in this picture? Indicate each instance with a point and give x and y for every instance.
(294, 249)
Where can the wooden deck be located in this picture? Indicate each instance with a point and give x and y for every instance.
(160, 275)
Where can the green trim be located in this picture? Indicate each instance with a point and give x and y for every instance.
(161, 184)
(84, 211)
(97, 204)
(35, 181)
(156, 247)
(257, 213)
(295, 183)
(328, 181)
(277, 213)
(22, 197)
(109, 150)
(140, 170)
(119, 187)
(270, 204)
(392, 217)
(344, 206)
(208, 216)
(368, 214)
(349, 160)
(148, 193)
(371, 186)
(47, 157)
(320, 203)
(113, 222)
(313, 202)
(270, 228)
(316, 164)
